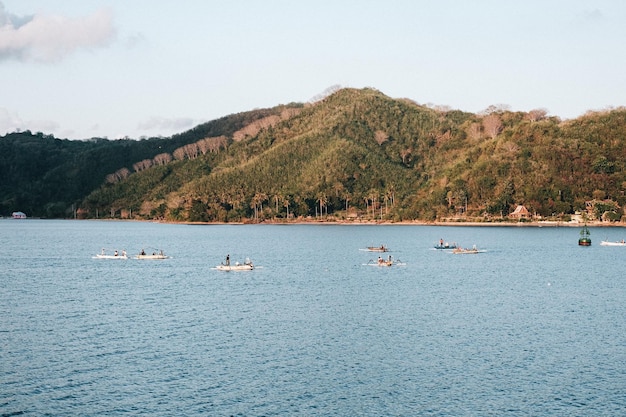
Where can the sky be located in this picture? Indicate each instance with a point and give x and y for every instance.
(79, 69)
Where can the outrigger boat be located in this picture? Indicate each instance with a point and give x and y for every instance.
(381, 248)
(607, 243)
(236, 267)
(154, 255)
(246, 266)
(116, 255)
(460, 250)
(384, 262)
(445, 245)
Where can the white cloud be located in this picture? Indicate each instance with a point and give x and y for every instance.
(169, 124)
(9, 122)
(134, 40)
(12, 122)
(593, 15)
(49, 38)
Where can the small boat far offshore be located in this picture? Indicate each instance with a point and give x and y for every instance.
(228, 266)
(115, 255)
(154, 255)
(236, 267)
(381, 248)
(460, 250)
(445, 245)
(607, 243)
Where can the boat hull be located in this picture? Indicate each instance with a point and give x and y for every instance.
(151, 257)
(605, 243)
(386, 263)
(110, 257)
(377, 249)
(445, 247)
(466, 251)
(240, 267)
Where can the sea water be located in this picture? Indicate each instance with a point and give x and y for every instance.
(535, 325)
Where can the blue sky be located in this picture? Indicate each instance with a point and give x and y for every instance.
(113, 68)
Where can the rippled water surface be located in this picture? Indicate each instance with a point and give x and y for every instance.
(536, 325)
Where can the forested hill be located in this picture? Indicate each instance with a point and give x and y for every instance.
(44, 176)
(353, 154)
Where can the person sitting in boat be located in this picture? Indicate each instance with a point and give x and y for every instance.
(115, 254)
(124, 252)
(380, 261)
(389, 260)
(441, 242)
(143, 252)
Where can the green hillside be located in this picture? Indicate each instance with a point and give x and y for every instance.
(354, 154)
(49, 177)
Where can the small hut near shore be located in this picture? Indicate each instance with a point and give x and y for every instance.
(519, 213)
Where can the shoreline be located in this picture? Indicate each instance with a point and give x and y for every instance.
(539, 224)
(594, 224)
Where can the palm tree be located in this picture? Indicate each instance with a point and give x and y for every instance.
(257, 203)
(277, 198)
(323, 200)
(373, 196)
(286, 204)
(346, 197)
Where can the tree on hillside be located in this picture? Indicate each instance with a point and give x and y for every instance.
(492, 125)
(381, 137)
(162, 159)
(405, 154)
(537, 114)
(179, 154)
(119, 175)
(141, 165)
(474, 131)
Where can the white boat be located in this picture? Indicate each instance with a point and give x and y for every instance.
(459, 250)
(445, 245)
(381, 248)
(384, 262)
(154, 255)
(246, 266)
(115, 255)
(607, 243)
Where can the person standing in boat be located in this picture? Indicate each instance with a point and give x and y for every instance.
(228, 260)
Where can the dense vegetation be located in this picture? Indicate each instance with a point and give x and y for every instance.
(355, 153)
